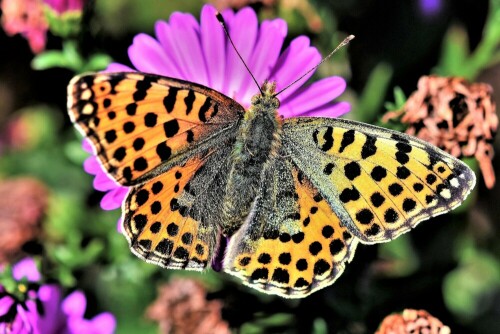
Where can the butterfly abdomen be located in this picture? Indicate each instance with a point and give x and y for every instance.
(258, 138)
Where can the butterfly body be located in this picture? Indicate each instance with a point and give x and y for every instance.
(293, 196)
(256, 144)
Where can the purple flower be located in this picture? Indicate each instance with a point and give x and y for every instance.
(26, 269)
(37, 309)
(102, 182)
(74, 309)
(430, 7)
(201, 53)
(63, 6)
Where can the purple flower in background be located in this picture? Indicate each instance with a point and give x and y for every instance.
(63, 6)
(201, 53)
(102, 182)
(41, 309)
(74, 307)
(15, 316)
(26, 269)
(430, 7)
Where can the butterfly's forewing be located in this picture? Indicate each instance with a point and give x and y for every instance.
(170, 141)
(379, 182)
(292, 244)
(137, 122)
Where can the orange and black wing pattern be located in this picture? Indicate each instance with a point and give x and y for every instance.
(381, 183)
(138, 122)
(170, 141)
(293, 243)
(172, 220)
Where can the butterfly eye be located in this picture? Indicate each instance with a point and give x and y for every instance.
(256, 99)
(276, 103)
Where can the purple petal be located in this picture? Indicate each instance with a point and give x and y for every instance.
(164, 35)
(187, 48)
(430, 7)
(267, 50)
(147, 55)
(243, 28)
(103, 182)
(114, 198)
(61, 6)
(6, 303)
(75, 304)
(15, 327)
(104, 322)
(91, 165)
(117, 67)
(75, 4)
(119, 224)
(312, 96)
(297, 59)
(214, 47)
(25, 320)
(87, 146)
(26, 268)
(52, 319)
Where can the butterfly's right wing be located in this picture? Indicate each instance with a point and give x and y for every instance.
(292, 243)
(170, 140)
(380, 182)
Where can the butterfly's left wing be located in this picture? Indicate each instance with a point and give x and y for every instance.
(170, 141)
(140, 124)
(379, 182)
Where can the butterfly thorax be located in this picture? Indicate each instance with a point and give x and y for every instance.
(257, 142)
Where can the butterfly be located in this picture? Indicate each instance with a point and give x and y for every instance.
(293, 197)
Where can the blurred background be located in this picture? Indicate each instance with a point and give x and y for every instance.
(49, 210)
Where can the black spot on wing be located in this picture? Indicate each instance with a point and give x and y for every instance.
(202, 114)
(170, 99)
(347, 139)
(369, 147)
(188, 100)
(142, 87)
(171, 128)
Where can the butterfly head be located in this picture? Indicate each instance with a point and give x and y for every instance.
(266, 100)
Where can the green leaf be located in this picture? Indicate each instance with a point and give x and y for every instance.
(320, 326)
(400, 255)
(399, 100)
(97, 62)
(469, 289)
(454, 53)
(68, 58)
(73, 57)
(75, 153)
(399, 97)
(49, 59)
(372, 97)
(65, 25)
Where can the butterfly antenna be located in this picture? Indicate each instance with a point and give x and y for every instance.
(341, 45)
(223, 23)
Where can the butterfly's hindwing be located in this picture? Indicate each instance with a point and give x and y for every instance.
(292, 244)
(381, 183)
(173, 219)
(137, 122)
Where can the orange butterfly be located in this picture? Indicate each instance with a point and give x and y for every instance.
(295, 196)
